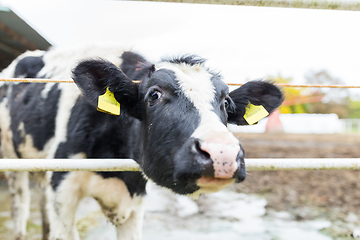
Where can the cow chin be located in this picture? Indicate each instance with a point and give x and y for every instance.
(211, 184)
(203, 185)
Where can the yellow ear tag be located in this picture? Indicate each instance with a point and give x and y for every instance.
(254, 113)
(108, 104)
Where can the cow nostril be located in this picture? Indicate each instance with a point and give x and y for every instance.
(240, 174)
(241, 154)
(204, 159)
(199, 150)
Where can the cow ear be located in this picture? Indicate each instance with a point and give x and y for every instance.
(95, 77)
(257, 93)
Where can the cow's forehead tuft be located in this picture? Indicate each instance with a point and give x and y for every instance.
(195, 81)
(190, 60)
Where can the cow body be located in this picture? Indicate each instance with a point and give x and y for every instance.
(172, 122)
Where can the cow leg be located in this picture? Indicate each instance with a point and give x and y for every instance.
(123, 210)
(20, 201)
(132, 228)
(63, 201)
(42, 184)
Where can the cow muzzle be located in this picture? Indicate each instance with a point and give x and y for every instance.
(221, 160)
(213, 163)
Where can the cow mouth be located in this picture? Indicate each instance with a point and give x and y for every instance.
(212, 184)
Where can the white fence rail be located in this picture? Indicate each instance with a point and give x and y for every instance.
(36, 165)
(252, 164)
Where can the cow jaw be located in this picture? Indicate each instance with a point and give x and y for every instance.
(212, 184)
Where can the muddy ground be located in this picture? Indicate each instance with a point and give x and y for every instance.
(330, 194)
(297, 196)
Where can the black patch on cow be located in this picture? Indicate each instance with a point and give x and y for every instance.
(134, 181)
(29, 67)
(57, 178)
(38, 114)
(97, 134)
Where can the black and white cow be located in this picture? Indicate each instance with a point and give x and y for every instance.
(172, 122)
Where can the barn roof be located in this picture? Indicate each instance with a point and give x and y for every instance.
(16, 36)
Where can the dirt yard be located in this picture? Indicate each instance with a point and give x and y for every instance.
(330, 194)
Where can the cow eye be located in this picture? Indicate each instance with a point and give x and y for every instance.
(227, 103)
(154, 95)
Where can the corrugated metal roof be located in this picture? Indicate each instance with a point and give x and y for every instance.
(16, 36)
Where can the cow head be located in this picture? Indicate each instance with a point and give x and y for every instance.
(184, 109)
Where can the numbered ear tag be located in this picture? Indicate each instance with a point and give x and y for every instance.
(108, 104)
(254, 113)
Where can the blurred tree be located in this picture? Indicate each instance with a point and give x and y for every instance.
(293, 96)
(354, 109)
(336, 100)
(318, 100)
(334, 95)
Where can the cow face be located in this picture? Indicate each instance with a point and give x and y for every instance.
(183, 108)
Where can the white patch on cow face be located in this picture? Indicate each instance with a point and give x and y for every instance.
(196, 84)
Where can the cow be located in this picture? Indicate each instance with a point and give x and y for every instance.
(170, 117)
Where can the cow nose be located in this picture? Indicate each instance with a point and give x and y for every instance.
(220, 159)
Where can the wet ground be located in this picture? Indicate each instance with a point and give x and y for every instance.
(226, 214)
(288, 205)
(307, 195)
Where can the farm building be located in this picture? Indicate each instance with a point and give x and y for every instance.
(16, 37)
